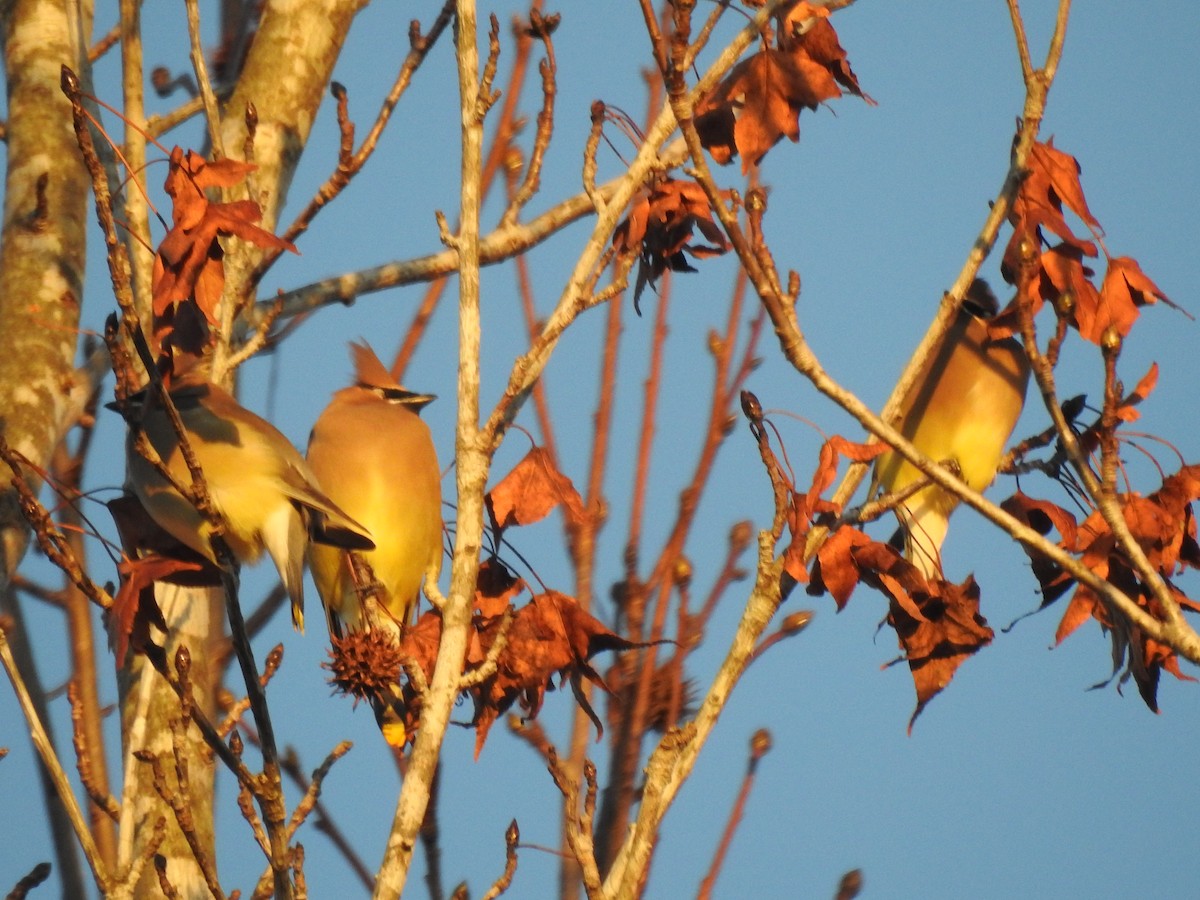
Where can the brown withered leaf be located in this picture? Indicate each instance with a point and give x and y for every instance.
(833, 451)
(1172, 525)
(1126, 411)
(805, 30)
(419, 644)
(1097, 545)
(835, 569)
(531, 491)
(760, 101)
(1155, 657)
(793, 556)
(1053, 179)
(805, 508)
(188, 262)
(495, 588)
(1084, 605)
(1043, 516)
(1160, 522)
(1063, 272)
(948, 631)
(134, 608)
(1057, 173)
(1124, 291)
(550, 635)
(937, 623)
(1163, 525)
(150, 555)
(883, 567)
(660, 227)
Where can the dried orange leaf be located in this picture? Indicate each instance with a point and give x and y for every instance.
(134, 608)
(188, 262)
(531, 491)
(495, 588)
(835, 569)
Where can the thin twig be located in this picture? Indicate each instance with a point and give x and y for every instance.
(351, 163)
(211, 110)
(51, 539)
(499, 155)
(512, 839)
(179, 802)
(311, 801)
(95, 785)
(83, 689)
(528, 310)
(545, 124)
(627, 737)
(133, 151)
(760, 745)
(49, 757)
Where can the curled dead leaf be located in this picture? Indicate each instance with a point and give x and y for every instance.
(660, 227)
(531, 491)
(188, 261)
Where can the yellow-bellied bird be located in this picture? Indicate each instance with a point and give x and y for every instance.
(962, 409)
(261, 485)
(375, 457)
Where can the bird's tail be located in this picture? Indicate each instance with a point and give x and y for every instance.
(924, 525)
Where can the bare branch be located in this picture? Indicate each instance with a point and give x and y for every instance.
(45, 749)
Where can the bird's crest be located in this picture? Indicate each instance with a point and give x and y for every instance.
(368, 370)
(370, 373)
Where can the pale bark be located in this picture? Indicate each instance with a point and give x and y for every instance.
(285, 75)
(148, 706)
(471, 472)
(42, 251)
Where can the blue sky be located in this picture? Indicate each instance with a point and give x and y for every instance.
(1017, 780)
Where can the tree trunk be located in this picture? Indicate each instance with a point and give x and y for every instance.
(42, 253)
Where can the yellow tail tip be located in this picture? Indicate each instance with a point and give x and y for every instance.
(395, 734)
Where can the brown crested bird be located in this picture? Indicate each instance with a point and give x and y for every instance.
(258, 482)
(375, 457)
(962, 409)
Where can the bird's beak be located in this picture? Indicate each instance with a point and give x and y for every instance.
(414, 401)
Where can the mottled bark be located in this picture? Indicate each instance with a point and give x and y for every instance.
(41, 272)
(149, 713)
(41, 250)
(285, 77)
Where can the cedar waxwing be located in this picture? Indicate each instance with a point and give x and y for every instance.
(257, 480)
(375, 458)
(963, 408)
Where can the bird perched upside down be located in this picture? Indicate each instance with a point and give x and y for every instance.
(260, 484)
(962, 409)
(376, 459)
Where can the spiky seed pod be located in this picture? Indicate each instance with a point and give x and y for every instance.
(364, 664)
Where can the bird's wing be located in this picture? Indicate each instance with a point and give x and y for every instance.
(329, 525)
